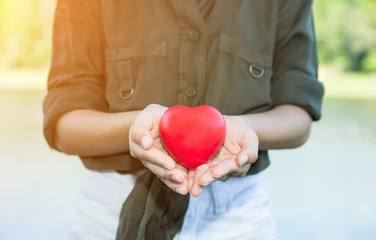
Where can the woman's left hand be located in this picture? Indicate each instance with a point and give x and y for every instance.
(238, 151)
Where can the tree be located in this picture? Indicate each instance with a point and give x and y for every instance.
(25, 32)
(346, 33)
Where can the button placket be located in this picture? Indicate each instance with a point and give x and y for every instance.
(190, 92)
(191, 54)
(193, 35)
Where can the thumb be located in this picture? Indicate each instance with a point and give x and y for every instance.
(248, 154)
(144, 123)
(249, 151)
(246, 157)
(146, 141)
(140, 134)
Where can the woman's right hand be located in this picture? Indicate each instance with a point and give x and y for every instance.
(145, 144)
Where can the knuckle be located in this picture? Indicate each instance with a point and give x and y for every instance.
(151, 106)
(169, 176)
(253, 157)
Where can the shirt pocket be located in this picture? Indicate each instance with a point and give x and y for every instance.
(243, 77)
(120, 71)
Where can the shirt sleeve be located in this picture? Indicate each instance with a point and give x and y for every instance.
(295, 59)
(76, 77)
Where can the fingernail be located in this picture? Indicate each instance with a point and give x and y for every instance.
(244, 160)
(204, 184)
(144, 142)
(177, 178)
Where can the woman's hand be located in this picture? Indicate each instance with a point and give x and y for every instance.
(238, 151)
(145, 144)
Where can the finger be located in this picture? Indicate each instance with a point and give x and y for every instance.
(225, 167)
(191, 175)
(207, 177)
(177, 174)
(179, 187)
(144, 126)
(223, 178)
(247, 156)
(175, 179)
(153, 155)
(241, 171)
(140, 133)
(249, 152)
(196, 188)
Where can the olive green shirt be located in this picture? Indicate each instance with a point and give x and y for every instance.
(244, 56)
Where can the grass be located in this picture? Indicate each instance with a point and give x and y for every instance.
(338, 84)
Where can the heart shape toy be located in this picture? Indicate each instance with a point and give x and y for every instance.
(192, 135)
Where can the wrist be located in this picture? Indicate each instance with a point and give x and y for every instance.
(239, 122)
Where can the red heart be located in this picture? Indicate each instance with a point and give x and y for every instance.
(192, 135)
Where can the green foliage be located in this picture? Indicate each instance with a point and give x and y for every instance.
(346, 33)
(369, 64)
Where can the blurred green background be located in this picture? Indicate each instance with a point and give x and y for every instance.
(323, 190)
(346, 37)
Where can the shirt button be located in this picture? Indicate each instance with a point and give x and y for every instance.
(193, 35)
(190, 92)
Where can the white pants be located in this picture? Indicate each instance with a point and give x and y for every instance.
(236, 209)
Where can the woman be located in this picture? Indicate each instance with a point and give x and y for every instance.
(119, 65)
